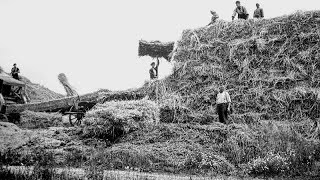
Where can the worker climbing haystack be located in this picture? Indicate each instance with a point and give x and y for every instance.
(214, 17)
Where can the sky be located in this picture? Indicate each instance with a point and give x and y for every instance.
(95, 42)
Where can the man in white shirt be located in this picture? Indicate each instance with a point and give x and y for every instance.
(258, 13)
(223, 104)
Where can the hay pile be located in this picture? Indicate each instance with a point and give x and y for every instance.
(111, 120)
(269, 66)
(35, 120)
(39, 93)
(155, 49)
(213, 149)
(11, 136)
(174, 148)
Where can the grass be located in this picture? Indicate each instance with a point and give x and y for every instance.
(215, 149)
(35, 120)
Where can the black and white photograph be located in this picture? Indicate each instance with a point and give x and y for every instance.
(159, 90)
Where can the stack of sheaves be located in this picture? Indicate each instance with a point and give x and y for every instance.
(269, 66)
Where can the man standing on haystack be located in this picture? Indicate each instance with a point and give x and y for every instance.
(258, 13)
(15, 71)
(241, 11)
(154, 70)
(213, 18)
(223, 104)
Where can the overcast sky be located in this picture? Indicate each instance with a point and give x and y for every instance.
(95, 42)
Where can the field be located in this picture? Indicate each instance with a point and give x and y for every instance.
(271, 69)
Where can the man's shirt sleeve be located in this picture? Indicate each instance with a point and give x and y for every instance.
(228, 97)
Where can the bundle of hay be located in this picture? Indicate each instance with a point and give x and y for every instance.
(262, 64)
(65, 83)
(111, 120)
(155, 49)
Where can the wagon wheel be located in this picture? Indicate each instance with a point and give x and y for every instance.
(72, 117)
(75, 119)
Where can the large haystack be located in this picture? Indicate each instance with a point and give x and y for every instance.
(269, 66)
(111, 120)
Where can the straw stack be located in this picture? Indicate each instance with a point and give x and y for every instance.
(156, 49)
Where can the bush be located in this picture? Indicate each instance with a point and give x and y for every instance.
(272, 164)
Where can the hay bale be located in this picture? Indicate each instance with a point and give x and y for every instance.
(35, 120)
(155, 49)
(111, 120)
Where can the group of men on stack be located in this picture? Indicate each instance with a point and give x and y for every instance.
(242, 13)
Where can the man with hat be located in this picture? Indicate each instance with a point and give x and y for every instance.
(213, 18)
(15, 71)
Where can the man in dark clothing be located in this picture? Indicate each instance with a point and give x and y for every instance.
(154, 70)
(15, 71)
(258, 13)
(223, 102)
(241, 11)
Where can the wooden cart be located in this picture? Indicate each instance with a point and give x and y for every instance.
(77, 112)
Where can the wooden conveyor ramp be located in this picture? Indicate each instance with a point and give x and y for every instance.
(67, 102)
